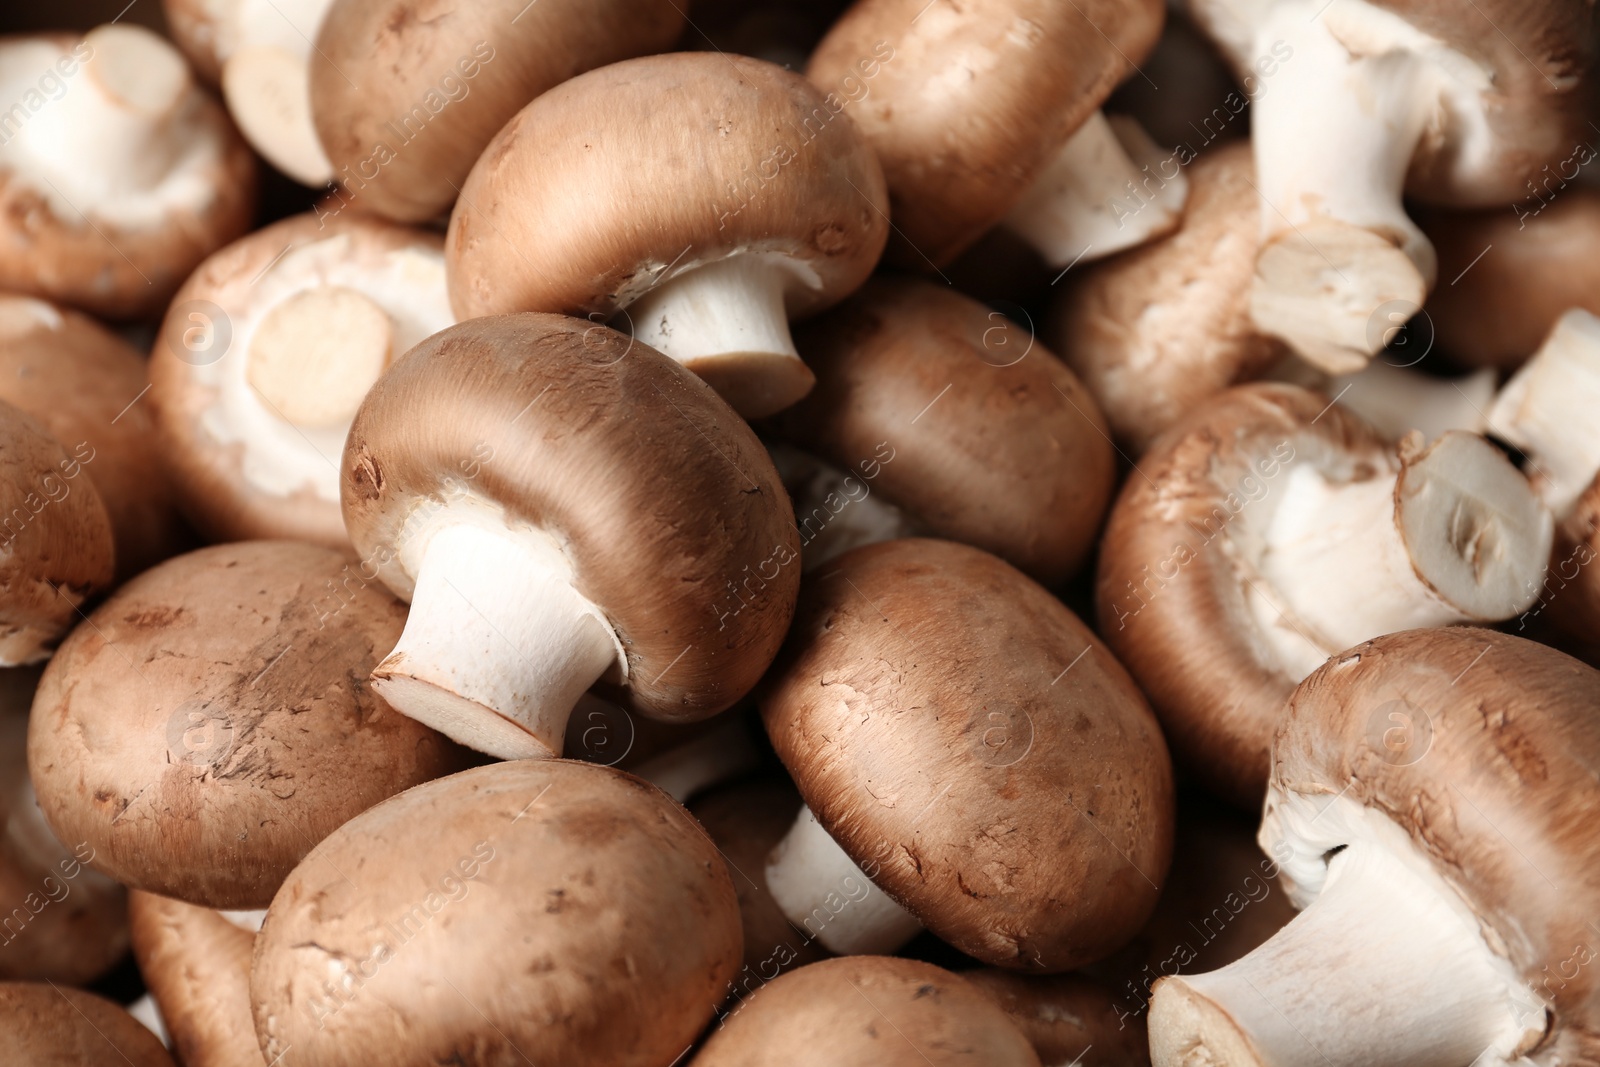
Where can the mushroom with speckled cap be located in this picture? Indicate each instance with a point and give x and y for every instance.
(265, 355)
(563, 505)
(993, 442)
(1434, 793)
(195, 962)
(1271, 528)
(211, 721)
(706, 198)
(48, 1025)
(867, 1011)
(112, 190)
(972, 759)
(541, 911)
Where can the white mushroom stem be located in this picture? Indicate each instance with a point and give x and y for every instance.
(835, 511)
(1396, 400)
(499, 646)
(728, 322)
(1548, 410)
(1386, 965)
(1334, 139)
(826, 896)
(1454, 534)
(719, 755)
(315, 355)
(267, 83)
(1110, 187)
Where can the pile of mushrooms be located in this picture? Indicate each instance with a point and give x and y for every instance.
(799, 533)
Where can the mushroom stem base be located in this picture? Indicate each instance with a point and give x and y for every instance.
(824, 894)
(499, 646)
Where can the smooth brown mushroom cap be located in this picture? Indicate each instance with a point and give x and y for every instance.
(414, 93)
(551, 910)
(1484, 748)
(995, 442)
(87, 386)
(1156, 330)
(56, 1026)
(955, 727)
(196, 965)
(212, 721)
(662, 497)
(527, 234)
(867, 1011)
(966, 103)
(1067, 1018)
(56, 536)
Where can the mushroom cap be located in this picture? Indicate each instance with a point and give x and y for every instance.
(660, 496)
(626, 929)
(747, 820)
(85, 384)
(1492, 777)
(109, 268)
(212, 721)
(1515, 273)
(50, 1025)
(193, 26)
(294, 491)
(965, 104)
(1014, 460)
(1194, 646)
(617, 201)
(383, 72)
(1156, 330)
(1067, 1018)
(196, 964)
(57, 540)
(975, 748)
(833, 1014)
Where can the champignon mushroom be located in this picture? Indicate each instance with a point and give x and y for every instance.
(85, 385)
(115, 186)
(1433, 792)
(561, 505)
(706, 198)
(194, 26)
(867, 1011)
(960, 419)
(264, 48)
(267, 352)
(210, 722)
(1070, 1020)
(988, 112)
(626, 926)
(64, 922)
(406, 96)
(1370, 101)
(49, 1025)
(58, 549)
(196, 964)
(1270, 529)
(1026, 769)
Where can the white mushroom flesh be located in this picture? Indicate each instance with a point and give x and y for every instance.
(267, 83)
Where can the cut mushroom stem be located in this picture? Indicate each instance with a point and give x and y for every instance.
(1104, 191)
(716, 756)
(1454, 534)
(266, 81)
(1333, 144)
(499, 646)
(727, 321)
(315, 355)
(1547, 410)
(1416, 983)
(823, 893)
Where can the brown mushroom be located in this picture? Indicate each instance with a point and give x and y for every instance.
(754, 202)
(194, 26)
(960, 419)
(406, 96)
(210, 722)
(47, 1025)
(972, 759)
(114, 186)
(563, 505)
(1433, 794)
(267, 352)
(1270, 529)
(196, 964)
(867, 1011)
(1069, 1019)
(539, 911)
